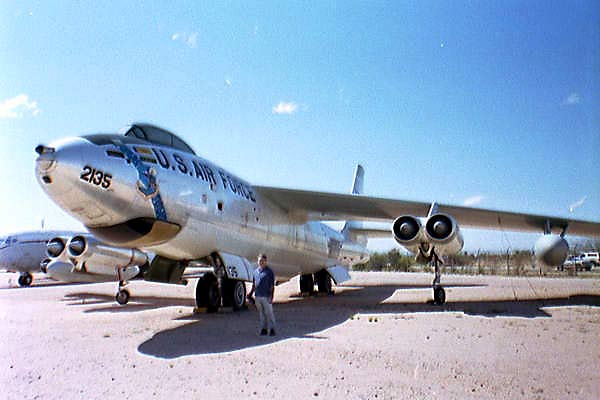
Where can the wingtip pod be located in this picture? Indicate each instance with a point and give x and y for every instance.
(551, 250)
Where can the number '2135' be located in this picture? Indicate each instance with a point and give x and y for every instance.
(96, 177)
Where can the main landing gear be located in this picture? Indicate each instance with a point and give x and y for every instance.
(321, 278)
(25, 279)
(216, 290)
(211, 295)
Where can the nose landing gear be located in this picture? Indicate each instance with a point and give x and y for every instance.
(122, 296)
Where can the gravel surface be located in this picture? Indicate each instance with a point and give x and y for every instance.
(377, 338)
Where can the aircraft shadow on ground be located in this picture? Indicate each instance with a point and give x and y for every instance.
(137, 303)
(43, 284)
(305, 318)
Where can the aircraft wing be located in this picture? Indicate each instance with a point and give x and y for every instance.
(323, 206)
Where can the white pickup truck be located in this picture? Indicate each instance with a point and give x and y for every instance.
(589, 260)
(582, 262)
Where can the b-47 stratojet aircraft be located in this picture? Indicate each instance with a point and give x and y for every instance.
(68, 257)
(25, 253)
(147, 189)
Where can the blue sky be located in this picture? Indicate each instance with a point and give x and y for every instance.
(496, 105)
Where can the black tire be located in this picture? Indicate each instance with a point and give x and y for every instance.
(25, 280)
(122, 297)
(439, 295)
(307, 284)
(235, 292)
(324, 282)
(207, 293)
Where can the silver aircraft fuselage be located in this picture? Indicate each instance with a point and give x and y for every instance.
(24, 251)
(169, 201)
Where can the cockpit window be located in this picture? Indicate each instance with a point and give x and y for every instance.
(154, 134)
(136, 132)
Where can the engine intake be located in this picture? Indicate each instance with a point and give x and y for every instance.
(77, 246)
(55, 247)
(406, 228)
(442, 231)
(439, 227)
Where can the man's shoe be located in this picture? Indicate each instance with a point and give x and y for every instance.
(272, 333)
(263, 332)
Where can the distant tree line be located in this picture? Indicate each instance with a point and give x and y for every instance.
(394, 260)
(504, 262)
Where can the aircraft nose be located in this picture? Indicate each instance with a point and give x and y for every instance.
(78, 175)
(41, 149)
(46, 159)
(66, 153)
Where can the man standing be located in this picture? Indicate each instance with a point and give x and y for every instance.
(263, 284)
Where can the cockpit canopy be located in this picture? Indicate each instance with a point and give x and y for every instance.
(154, 134)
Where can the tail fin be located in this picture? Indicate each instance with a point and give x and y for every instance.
(357, 189)
(359, 178)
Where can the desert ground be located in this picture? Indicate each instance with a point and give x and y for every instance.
(378, 337)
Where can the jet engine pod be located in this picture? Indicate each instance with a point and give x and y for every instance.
(442, 231)
(407, 230)
(551, 250)
(60, 270)
(77, 246)
(55, 247)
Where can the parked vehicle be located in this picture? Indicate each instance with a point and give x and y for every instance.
(573, 262)
(589, 260)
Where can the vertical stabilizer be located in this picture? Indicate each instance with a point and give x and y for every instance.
(359, 176)
(357, 189)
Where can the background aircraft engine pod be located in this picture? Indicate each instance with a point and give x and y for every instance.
(551, 250)
(76, 246)
(442, 231)
(55, 247)
(95, 257)
(407, 231)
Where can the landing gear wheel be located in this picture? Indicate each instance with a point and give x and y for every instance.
(207, 293)
(25, 280)
(307, 284)
(122, 296)
(439, 295)
(324, 282)
(237, 294)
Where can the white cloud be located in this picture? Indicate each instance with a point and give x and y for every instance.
(228, 81)
(577, 204)
(191, 40)
(285, 108)
(17, 106)
(473, 200)
(572, 99)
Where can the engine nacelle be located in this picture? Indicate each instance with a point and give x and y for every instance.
(55, 247)
(551, 250)
(86, 254)
(65, 271)
(442, 231)
(408, 232)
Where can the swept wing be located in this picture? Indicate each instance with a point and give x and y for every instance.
(323, 206)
